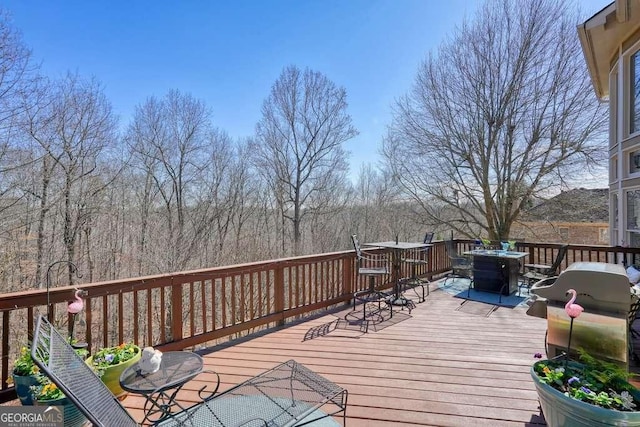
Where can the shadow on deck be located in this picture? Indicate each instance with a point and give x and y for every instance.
(438, 365)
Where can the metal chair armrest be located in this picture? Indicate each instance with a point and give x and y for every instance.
(210, 394)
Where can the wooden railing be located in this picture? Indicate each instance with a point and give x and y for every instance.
(192, 308)
(199, 308)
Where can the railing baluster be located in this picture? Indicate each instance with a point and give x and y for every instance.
(203, 307)
(252, 297)
(243, 296)
(191, 309)
(163, 314)
(136, 331)
(105, 321)
(278, 288)
(149, 318)
(5, 348)
(121, 338)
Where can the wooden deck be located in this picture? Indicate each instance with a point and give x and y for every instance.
(442, 365)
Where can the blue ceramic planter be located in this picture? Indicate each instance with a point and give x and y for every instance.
(563, 411)
(72, 415)
(23, 385)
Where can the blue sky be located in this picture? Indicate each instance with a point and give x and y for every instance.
(230, 53)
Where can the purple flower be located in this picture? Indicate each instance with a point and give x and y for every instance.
(109, 358)
(585, 389)
(538, 355)
(572, 380)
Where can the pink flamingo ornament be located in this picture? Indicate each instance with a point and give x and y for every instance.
(76, 306)
(573, 310)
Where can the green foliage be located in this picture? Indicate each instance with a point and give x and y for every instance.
(46, 390)
(111, 356)
(24, 364)
(592, 380)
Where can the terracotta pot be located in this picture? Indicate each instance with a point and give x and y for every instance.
(111, 375)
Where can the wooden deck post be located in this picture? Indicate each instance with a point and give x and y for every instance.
(278, 291)
(176, 311)
(347, 277)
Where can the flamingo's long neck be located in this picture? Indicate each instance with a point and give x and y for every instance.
(573, 298)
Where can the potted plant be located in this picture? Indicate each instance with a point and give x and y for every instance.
(585, 393)
(588, 392)
(110, 362)
(46, 393)
(24, 375)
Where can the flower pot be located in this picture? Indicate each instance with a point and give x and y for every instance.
(23, 385)
(563, 411)
(72, 415)
(111, 375)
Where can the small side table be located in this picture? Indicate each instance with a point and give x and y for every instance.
(161, 387)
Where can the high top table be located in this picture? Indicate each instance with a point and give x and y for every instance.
(397, 248)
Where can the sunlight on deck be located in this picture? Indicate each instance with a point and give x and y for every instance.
(441, 364)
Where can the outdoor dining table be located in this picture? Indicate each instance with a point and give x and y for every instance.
(397, 248)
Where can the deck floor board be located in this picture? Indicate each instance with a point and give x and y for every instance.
(437, 366)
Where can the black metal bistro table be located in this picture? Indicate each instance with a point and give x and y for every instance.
(161, 387)
(397, 248)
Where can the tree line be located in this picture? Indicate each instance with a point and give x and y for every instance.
(494, 119)
(168, 190)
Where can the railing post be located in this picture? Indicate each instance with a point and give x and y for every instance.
(278, 292)
(176, 311)
(347, 276)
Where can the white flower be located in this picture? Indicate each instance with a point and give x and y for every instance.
(627, 400)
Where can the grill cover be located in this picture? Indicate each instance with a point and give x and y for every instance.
(604, 292)
(601, 287)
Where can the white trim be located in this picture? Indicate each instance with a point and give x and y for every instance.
(619, 98)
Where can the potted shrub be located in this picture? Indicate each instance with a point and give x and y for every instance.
(46, 393)
(24, 376)
(110, 362)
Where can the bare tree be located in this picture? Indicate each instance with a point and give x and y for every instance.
(502, 113)
(299, 141)
(81, 128)
(17, 77)
(168, 139)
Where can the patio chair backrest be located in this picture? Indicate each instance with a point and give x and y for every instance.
(56, 358)
(450, 246)
(428, 237)
(553, 270)
(356, 246)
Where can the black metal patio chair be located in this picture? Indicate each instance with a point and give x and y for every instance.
(536, 272)
(287, 395)
(461, 266)
(371, 267)
(420, 258)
